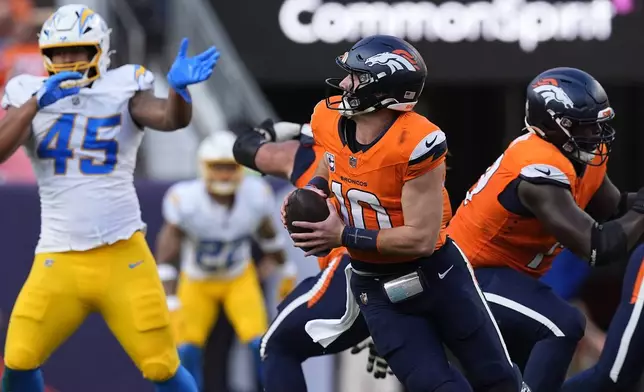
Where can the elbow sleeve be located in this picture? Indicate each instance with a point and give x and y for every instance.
(246, 147)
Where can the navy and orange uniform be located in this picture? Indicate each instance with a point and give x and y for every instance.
(494, 229)
(367, 184)
(509, 248)
(288, 342)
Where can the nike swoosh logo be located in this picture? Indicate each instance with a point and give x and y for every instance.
(441, 276)
(134, 265)
(429, 144)
(547, 173)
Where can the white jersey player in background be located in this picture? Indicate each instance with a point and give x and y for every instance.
(209, 224)
(82, 127)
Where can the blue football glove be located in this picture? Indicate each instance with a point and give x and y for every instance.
(51, 91)
(191, 70)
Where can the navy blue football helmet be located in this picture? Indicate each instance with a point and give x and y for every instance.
(385, 72)
(570, 109)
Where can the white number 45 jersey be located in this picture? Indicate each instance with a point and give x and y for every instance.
(83, 150)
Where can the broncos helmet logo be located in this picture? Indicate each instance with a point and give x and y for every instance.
(551, 92)
(396, 60)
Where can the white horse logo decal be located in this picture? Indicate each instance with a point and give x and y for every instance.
(550, 93)
(396, 61)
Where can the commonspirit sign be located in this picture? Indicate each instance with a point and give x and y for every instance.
(527, 23)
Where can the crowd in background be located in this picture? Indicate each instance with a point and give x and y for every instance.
(20, 21)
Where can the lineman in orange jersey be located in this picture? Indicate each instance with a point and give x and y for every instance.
(548, 188)
(384, 168)
(288, 150)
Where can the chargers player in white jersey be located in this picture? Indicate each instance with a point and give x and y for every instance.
(209, 224)
(82, 127)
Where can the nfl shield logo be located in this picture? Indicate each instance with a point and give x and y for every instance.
(363, 298)
(353, 162)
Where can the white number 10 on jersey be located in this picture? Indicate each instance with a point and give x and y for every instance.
(358, 200)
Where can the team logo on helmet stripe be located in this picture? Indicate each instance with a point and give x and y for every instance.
(551, 92)
(396, 61)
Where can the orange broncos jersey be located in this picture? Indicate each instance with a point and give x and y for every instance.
(367, 185)
(491, 226)
(308, 174)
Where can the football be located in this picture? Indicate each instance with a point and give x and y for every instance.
(305, 205)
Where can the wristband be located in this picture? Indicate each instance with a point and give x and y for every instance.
(360, 239)
(246, 147)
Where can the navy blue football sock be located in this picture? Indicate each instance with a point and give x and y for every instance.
(22, 380)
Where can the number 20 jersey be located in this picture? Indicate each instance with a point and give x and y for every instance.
(83, 150)
(368, 184)
(493, 228)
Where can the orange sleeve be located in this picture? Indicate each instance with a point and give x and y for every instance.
(426, 155)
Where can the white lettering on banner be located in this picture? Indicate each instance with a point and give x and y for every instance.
(527, 23)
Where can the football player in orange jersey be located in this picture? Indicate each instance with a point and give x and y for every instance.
(287, 150)
(548, 188)
(384, 169)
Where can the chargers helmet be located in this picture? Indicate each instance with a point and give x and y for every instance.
(77, 26)
(390, 73)
(570, 109)
(218, 168)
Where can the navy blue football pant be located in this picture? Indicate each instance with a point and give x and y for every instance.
(286, 344)
(451, 311)
(540, 328)
(621, 363)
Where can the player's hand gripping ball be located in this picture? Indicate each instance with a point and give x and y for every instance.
(304, 205)
(317, 235)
